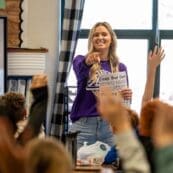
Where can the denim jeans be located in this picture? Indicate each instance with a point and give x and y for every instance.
(92, 129)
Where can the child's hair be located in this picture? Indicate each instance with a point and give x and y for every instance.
(48, 156)
(148, 112)
(134, 119)
(16, 105)
(13, 106)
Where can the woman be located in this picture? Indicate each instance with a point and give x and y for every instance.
(100, 59)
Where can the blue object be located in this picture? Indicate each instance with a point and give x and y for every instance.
(111, 156)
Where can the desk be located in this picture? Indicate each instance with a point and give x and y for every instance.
(93, 169)
(87, 169)
(86, 172)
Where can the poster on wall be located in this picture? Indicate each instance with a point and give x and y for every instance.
(3, 54)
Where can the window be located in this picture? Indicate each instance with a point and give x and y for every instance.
(166, 14)
(121, 14)
(166, 87)
(136, 66)
(136, 25)
(3, 55)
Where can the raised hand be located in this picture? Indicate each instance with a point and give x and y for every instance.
(39, 80)
(155, 57)
(111, 109)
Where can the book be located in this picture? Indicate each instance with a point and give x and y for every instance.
(22, 86)
(115, 81)
(2, 81)
(29, 97)
(13, 85)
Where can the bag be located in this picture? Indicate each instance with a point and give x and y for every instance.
(93, 154)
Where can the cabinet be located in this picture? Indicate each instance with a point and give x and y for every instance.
(22, 64)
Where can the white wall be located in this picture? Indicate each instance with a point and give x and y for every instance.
(40, 29)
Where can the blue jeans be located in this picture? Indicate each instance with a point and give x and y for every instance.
(92, 129)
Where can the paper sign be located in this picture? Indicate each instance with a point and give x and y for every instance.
(116, 81)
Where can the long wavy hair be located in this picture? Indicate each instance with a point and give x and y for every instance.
(112, 56)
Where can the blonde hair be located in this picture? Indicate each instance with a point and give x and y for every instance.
(48, 155)
(113, 58)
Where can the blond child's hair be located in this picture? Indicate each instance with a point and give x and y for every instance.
(48, 155)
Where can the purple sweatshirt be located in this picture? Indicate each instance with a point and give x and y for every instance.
(85, 102)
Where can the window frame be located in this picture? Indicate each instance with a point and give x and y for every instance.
(153, 35)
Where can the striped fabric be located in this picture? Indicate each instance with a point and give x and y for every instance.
(71, 26)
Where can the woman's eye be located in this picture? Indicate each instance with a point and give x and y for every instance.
(104, 34)
(96, 35)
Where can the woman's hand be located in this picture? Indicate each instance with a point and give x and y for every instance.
(126, 93)
(92, 58)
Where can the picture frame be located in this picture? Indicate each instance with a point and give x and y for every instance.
(3, 54)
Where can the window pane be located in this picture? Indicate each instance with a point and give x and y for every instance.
(165, 14)
(166, 82)
(131, 52)
(121, 14)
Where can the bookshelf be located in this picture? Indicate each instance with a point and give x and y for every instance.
(22, 64)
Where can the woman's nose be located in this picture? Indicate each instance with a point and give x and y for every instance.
(100, 36)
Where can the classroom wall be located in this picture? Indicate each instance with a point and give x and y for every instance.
(41, 23)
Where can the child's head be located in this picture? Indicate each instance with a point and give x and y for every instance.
(13, 107)
(48, 155)
(15, 103)
(148, 112)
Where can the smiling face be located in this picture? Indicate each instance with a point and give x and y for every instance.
(101, 39)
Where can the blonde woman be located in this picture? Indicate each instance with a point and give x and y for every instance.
(100, 59)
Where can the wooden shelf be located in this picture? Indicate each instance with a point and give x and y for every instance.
(27, 50)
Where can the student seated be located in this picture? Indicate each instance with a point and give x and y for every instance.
(12, 153)
(47, 156)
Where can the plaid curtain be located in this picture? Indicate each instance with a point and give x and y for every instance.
(72, 16)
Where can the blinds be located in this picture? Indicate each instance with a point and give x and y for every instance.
(26, 64)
